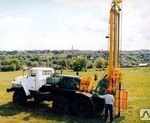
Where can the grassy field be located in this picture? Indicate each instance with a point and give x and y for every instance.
(135, 80)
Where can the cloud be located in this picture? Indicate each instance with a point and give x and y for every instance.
(14, 31)
(80, 21)
(13, 21)
(85, 22)
(82, 2)
(135, 22)
(135, 28)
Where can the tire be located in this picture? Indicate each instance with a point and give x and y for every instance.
(60, 105)
(19, 97)
(38, 101)
(81, 107)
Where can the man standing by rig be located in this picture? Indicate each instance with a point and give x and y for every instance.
(109, 100)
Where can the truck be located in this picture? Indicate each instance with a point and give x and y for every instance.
(73, 93)
(67, 92)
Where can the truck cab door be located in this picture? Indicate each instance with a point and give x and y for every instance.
(31, 80)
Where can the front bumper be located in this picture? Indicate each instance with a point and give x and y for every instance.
(10, 89)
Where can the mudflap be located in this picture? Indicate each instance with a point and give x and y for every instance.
(10, 89)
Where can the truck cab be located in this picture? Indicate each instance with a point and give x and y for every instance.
(33, 81)
(37, 77)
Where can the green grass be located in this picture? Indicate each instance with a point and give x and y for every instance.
(135, 80)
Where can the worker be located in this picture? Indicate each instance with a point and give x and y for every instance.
(61, 72)
(95, 77)
(77, 73)
(109, 100)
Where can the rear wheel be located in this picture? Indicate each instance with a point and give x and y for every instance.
(61, 105)
(81, 107)
(37, 101)
(19, 97)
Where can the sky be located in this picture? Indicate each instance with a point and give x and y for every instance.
(61, 24)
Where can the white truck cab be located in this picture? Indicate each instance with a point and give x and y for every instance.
(32, 82)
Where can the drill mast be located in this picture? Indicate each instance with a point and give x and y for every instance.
(113, 71)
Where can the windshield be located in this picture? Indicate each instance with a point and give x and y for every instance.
(47, 72)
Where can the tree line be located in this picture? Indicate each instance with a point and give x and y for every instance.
(79, 63)
(70, 59)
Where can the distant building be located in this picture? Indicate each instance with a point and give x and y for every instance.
(91, 58)
(143, 65)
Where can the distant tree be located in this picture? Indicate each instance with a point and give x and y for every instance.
(35, 58)
(10, 65)
(89, 64)
(62, 63)
(134, 63)
(13, 67)
(43, 64)
(28, 63)
(34, 64)
(100, 62)
(56, 52)
(68, 63)
(56, 67)
(8, 68)
(16, 64)
(79, 63)
(69, 56)
(4, 62)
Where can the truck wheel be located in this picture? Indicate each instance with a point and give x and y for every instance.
(61, 105)
(37, 101)
(19, 97)
(81, 107)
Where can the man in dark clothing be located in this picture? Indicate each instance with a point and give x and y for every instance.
(109, 100)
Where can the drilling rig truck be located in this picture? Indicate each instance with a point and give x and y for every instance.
(74, 93)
